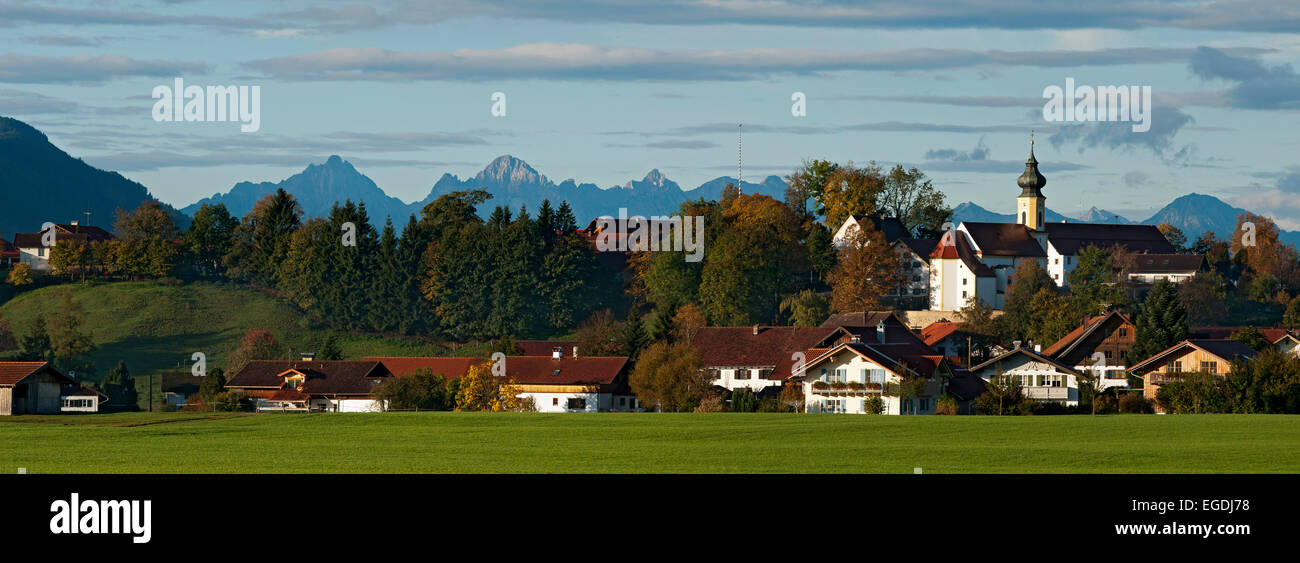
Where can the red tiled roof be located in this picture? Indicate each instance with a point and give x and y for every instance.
(738, 346)
(1224, 332)
(954, 245)
(289, 395)
(921, 364)
(13, 372)
(537, 370)
(936, 332)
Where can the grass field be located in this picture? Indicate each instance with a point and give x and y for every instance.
(647, 443)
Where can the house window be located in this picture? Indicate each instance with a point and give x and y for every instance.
(1107, 354)
(1056, 260)
(877, 376)
(555, 401)
(833, 405)
(963, 281)
(1123, 332)
(577, 404)
(1210, 367)
(1175, 367)
(766, 373)
(963, 294)
(841, 375)
(742, 374)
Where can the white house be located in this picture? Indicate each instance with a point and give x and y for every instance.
(1041, 378)
(79, 398)
(759, 357)
(555, 383)
(851, 376)
(891, 227)
(33, 251)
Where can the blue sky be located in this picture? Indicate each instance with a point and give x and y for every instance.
(605, 91)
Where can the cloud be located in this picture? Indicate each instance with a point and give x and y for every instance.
(1240, 15)
(1166, 121)
(1257, 86)
(1234, 15)
(980, 152)
(88, 69)
(1136, 178)
(1281, 200)
(573, 61)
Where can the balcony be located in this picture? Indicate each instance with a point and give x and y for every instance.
(844, 389)
(1047, 393)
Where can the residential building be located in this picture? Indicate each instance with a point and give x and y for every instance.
(1176, 268)
(555, 383)
(851, 375)
(759, 357)
(914, 291)
(1041, 378)
(34, 253)
(179, 388)
(34, 388)
(1098, 348)
(891, 227)
(8, 254)
(307, 385)
(1209, 356)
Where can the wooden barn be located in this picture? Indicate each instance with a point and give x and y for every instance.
(31, 388)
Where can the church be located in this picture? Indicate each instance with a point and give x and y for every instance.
(975, 259)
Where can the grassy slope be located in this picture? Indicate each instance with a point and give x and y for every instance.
(156, 328)
(626, 443)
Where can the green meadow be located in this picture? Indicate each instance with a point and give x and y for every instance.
(450, 442)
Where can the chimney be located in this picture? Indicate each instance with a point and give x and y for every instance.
(557, 353)
(75, 222)
(308, 356)
(855, 338)
(1038, 348)
(880, 332)
(1016, 344)
(575, 350)
(755, 330)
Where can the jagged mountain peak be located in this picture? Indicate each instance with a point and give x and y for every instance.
(510, 170)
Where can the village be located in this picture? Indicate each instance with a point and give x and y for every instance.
(932, 352)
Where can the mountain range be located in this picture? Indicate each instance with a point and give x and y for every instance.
(39, 183)
(511, 181)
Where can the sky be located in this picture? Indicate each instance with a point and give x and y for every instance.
(603, 92)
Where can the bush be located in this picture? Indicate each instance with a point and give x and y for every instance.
(231, 401)
(711, 403)
(946, 404)
(1103, 404)
(1134, 403)
(873, 405)
(743, 400)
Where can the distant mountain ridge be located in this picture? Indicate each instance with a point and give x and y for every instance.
(1193, 214)
(511, 181)
(39, 182)
(316, 188)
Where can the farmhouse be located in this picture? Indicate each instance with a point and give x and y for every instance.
(759, 357)
(892, 228)
(1041, 378)
(34, 388)
(1098, 346)
(851, 375)
(555, 383)
(34, 253)
(306, 385)
(1210, 356)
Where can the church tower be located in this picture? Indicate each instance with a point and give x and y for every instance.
(1031, 204)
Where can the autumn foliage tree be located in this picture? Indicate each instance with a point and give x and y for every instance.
(481, 390)
(865, 272)
(669, 377)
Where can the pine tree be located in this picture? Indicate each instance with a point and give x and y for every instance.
(36, 345)
(120, 388)
(1161, 322)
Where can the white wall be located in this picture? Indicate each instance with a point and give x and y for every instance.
(854, 402)
(559, 402)
(731, 380)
